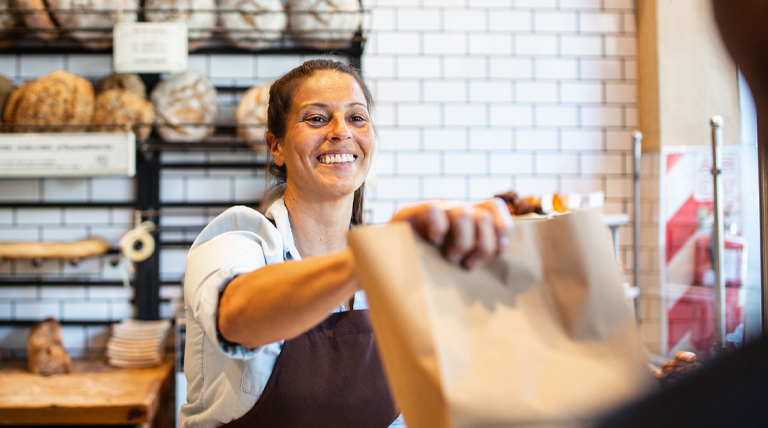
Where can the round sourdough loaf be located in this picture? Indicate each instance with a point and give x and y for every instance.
(181, 101)
(122, 109)
(198, 14)
(127, 82)
(253, 24)
(252, 112)
(37, 18)
(324, 24)
(70, 15)
(59, 98)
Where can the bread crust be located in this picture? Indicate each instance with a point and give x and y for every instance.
(183, 99)
(59, 98)
(199, 23)
(266, 21)
(252, 111)
(122, 109)
(9, 20)
(324, 24)
(102, 17)
(40, 19)
(6, 88)
(127, 82)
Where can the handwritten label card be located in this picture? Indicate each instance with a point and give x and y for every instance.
(150, 47)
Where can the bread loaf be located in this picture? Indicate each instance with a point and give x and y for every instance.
(10, 20)
(324, 24)
(196, 13)
(127, 82)
(37, 18)
(183, 99)
(252, 112)
(69, 15)
(6, 88)
(45, 352)
(59, 98)
(253, 24)
(122, 109)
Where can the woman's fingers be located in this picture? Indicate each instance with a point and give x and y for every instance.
(461, 237)
(429, 220)
(502, 219)
(468, 235)
(486, 242)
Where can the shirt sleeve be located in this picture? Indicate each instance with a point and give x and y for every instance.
(211, 266)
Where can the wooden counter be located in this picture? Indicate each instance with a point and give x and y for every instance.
(94, 393)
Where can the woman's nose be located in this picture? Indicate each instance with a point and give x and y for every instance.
(339, 130)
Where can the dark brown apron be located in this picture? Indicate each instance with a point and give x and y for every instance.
(330, 376)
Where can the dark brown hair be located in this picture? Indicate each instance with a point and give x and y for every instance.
(280, 96)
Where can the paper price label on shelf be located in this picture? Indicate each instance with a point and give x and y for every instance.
(150, 47)
(67, 154)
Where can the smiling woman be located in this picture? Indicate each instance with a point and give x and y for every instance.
(261, 347)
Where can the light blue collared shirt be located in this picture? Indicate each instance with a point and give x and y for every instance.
(225, 379)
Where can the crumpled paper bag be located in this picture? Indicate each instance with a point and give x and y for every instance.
(541, 336)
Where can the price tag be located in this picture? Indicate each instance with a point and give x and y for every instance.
(150, 47)
(68, 154)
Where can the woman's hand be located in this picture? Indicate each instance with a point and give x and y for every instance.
(469, 235)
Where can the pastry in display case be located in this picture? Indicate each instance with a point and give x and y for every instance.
(199, 15)
(59, 98)
(186, 105)
(252, 24)
(6, 87)
(324, 24)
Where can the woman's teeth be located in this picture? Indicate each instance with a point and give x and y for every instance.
(327, 159)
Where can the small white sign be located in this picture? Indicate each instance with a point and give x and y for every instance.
(68, 154)
(150, 47)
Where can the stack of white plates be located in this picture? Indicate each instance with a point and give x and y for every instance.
(137, 343)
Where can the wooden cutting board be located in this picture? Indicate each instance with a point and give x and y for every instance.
(94, 393)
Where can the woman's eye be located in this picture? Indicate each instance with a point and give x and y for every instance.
(358, 118)
(315, 119)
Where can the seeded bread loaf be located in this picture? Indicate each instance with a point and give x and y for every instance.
(252, 112)
(253, 24)
(45, 352)
(69, 15)
(122, 109)
(59, 98)
(324, 24)
(127, 82)
(181, 101)
(196, 13)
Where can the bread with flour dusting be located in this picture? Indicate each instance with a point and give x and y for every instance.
(324, 24)
(251, 113)
(253, 24)
(71, 15)
(199, 15)
(37, 17)
(182, 101)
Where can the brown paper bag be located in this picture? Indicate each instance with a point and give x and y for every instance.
(541, 336)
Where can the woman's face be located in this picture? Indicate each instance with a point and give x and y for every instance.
(329, 141)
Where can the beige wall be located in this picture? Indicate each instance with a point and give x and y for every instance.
(685, 75)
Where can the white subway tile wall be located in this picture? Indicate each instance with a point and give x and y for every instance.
(474, 97)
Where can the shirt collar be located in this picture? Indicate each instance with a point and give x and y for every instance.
(279, 214)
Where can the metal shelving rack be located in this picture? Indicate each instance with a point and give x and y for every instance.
(149, 164)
